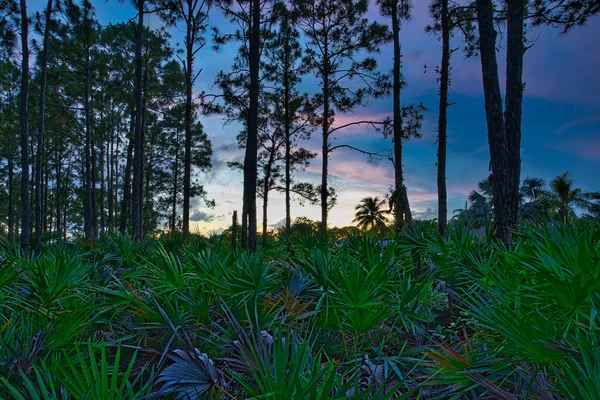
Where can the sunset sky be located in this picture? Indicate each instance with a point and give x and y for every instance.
(561, 122)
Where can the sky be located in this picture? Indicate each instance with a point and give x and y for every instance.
(561, 122)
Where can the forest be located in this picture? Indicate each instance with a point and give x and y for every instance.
(107, 290)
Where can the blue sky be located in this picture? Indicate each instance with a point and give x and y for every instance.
(561, 122)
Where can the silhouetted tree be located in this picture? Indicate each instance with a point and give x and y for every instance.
(337, 31)
(24, 116)
(370, 214)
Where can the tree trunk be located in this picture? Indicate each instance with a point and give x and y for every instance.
(87, 190)
(94, 196)
(116, 178)
(266, 200)
(251, 156)
(504, 164)
(234, 231)
(102, 187)
(288, 139)
(138, 139)
(24, 121)
(126, 197)
(187, 162)
(443, 123)
(45, 203)
(11, 196)
(513, 113)
(175, 184)
(40, 139)
(66, 201)
(145, 163)
(325, 144)
(109, 177)
(58, 181)
(401, 206)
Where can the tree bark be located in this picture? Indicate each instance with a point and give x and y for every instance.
(24, 121)
(109, 178)
(513, 114)
(87, 190)
(266, 198)
(187, 161)
(234, 231)
(40, 139)
(503, 136)
(443, 123)
(288, 139)
(175, 185)
(126, 197)
(325, 143)
(399, 206)
(138, 133)
(11, 196)
(251, 156)
(102, 186)
(57, 189)
(94, 197)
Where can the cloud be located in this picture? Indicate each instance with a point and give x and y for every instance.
(201, 216)
(228, 147)
(430, 213)
(278, 224)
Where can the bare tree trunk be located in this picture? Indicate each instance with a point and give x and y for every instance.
(399, 206)
(24, 117)
(87, 190)
(251, 156)
(288, 142)
(145, 162)
(116, 179)
(45, 204)
(234, 232)
(66, 201)
(11, 201)
(505, 163)
(138, 135)
(57, 189)
(266, 202)
(443, 123)
(102, 191)
(40, 139)
(93, 186)
(513, 114)
(126, 197)
(187, 160)
(109, 177)
(325, 148)
(175, 184)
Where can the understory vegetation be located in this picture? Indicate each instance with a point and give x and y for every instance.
(421, 316)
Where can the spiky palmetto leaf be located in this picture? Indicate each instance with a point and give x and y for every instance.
(42, 384)
(192, 375)
(53, 275)
(94, 374)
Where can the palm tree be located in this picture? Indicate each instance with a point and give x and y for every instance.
(482, 203)
(533, 204)
(370, 214)
(479, 211)
(563, 198)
